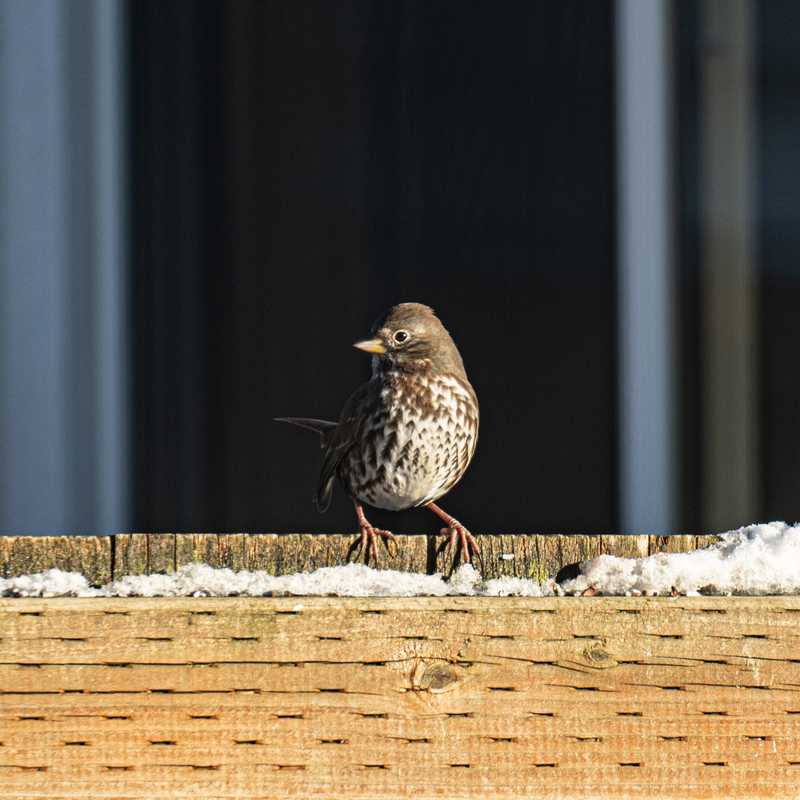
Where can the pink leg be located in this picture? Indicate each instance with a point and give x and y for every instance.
(458, 533)
(367, 543)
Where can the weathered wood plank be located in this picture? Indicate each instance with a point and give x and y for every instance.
(521, 555)
(672, 544)
(404, 697)
(90, 555)
(130, 554)
(161, 552)
(524, 555)
(303, 552)
(626, 546)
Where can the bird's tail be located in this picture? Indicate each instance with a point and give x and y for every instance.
(320, 426)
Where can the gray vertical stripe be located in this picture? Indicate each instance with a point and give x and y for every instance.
(645, 238)
(62, 228)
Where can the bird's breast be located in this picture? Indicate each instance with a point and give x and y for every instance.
(416, 445)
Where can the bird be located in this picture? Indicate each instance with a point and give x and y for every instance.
(406, 436)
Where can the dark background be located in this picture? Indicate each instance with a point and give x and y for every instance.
(204, 203)
(299, 167)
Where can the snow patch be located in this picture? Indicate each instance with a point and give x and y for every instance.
(200, 580)
(755, 560)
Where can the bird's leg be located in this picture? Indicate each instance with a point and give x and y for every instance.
(367, 543)
(468, 544)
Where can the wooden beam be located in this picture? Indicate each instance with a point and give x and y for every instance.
(102, 557)
(398, 698)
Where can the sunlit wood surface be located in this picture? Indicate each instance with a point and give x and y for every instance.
(392, 698)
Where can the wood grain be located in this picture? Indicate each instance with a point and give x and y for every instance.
(90, 555)
(522, 555)
(405, 697)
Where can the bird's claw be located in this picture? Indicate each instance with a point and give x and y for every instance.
(367, 544)
(463, 544)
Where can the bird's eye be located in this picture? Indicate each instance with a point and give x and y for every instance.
(401, 337)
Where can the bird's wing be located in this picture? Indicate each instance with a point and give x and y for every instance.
(339, 440)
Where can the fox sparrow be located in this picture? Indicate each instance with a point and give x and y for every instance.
(405, 437)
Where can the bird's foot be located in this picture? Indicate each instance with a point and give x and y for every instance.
(461, 543)
(366, 545)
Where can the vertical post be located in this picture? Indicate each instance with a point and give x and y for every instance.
(729, 266)
(647, 406)
(111, 338)
(33, 234)
(62, 228)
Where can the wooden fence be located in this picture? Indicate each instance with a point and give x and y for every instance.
(393, 697)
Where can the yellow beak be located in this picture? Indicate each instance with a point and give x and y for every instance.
(371, 346)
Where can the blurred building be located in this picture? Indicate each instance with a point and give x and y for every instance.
(203, 204)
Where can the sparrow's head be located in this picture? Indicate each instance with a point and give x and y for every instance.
(411, 336)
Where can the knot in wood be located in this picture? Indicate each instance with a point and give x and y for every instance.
(597, 657)
(434, 677)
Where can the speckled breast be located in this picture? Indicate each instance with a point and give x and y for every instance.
(417, 447)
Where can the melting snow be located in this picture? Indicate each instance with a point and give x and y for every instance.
(758, 559)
